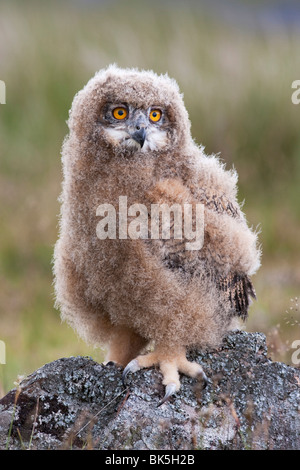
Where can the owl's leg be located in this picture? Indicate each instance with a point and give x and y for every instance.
(124, 345)
(170, 364)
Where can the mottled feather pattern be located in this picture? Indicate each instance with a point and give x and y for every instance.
(218, 203)
(237, 290)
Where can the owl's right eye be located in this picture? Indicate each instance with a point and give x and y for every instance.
(120, 113)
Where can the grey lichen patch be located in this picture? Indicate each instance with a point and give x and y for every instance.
(250, 402)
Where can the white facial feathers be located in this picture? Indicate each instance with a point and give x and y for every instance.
(156, 138)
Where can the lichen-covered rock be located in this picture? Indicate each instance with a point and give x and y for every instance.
(73, 403)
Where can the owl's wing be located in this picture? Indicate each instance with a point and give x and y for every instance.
(216, 259)
(237, 289)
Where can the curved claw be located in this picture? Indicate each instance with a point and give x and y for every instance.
(170, 390)
(109, 363)
(204, 378)
(132, 366)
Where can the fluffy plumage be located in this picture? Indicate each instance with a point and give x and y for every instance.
(123, 292)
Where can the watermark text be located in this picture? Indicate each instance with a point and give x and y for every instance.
(296, 354)
(180, 222)
(2, 92)
(296, 94)
(2, 353)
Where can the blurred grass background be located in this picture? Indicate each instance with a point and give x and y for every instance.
(235, 65)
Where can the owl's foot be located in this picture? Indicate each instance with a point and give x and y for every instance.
(170, 365)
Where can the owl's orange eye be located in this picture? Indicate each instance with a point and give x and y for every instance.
(155, 115)
(120, 113)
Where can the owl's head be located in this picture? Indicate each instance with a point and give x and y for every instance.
(130, 111)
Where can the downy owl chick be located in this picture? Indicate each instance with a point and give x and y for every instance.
(121, 280)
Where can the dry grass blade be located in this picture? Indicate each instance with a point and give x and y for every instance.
(104, 407)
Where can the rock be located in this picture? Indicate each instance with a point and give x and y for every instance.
(250, 402)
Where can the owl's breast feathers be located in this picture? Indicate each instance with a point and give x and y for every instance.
(235, 286)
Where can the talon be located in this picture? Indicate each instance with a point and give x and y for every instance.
(109, 363)
(170, 390)
(132, 366)
(205, 380)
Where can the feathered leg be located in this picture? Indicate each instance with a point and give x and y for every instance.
(124, 345)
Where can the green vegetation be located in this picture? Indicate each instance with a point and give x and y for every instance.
(237, 88)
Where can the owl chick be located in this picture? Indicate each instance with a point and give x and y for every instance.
(129, 140)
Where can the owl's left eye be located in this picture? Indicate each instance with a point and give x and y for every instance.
(120, 113)
(155, 115)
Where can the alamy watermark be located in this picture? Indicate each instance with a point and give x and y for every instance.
(296, 354)
(296, 94)
(2, 92)
(2, 353)
(293, 320)
(163, 222)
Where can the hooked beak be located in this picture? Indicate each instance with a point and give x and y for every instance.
(139, 136)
